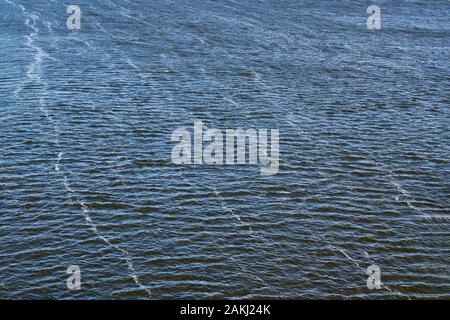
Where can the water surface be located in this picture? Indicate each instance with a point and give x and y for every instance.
(86, 176)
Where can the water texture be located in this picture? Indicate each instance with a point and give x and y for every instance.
(86, 176)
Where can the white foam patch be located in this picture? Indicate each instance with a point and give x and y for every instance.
(57, 163)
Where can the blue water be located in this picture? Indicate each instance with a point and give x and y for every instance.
(86, 176)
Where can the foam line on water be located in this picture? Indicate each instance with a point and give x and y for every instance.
(333, 247)
(253, 234)
(408, 199)
(34, 74)
(247, 226)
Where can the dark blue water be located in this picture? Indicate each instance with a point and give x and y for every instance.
(86, 176)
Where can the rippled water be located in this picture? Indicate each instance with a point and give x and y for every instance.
(86, 176)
